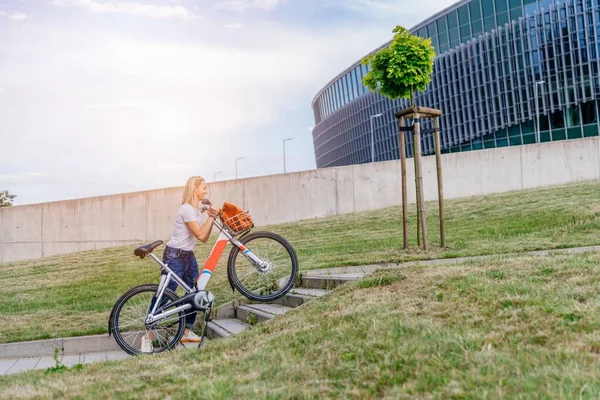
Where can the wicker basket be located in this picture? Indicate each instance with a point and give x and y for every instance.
(239, 222)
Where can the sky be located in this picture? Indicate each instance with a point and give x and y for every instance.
(102, 97)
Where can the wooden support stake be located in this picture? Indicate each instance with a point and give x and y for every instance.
(416, 188)
(419, 175)
(402, 142)
(438, 163)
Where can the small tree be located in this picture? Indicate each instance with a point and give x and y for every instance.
(402, 68)
(398, 71)
(6, 198)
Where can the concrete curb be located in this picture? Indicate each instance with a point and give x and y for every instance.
(66, 346)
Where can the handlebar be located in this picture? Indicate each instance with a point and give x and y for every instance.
(206, 205)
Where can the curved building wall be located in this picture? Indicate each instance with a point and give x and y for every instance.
(496, 58)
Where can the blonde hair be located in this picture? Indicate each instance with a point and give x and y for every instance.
(188, 190)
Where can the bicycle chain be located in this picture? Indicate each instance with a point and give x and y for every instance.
(207, 319)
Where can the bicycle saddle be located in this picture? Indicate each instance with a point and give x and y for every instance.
(146, 249)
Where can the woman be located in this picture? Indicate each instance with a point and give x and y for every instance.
(190, 226)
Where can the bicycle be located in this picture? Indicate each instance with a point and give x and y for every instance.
(134, 314)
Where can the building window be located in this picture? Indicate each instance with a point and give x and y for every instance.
(501, 6)
(341, 92)
(588, 112)
(336, 97)
(530, 7)
(502, 18)
(463, 15)
(489, 23)
(475, 10)
(544, 122)
(488, 8)
(432, 30)
(545, 3)
(573, 119)
(354, 88)
(514, 3)
(348, 88)
(477, 28)
(465, 33)
(441, 25)
(452, 20)
(453, 34)
(557, 119)
(516, 13)
(444, 46)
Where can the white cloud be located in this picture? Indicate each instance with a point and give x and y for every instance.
(173, 166)
(136, 109)
(117, 105)
(130, 8)
(234, 26)
(27, 177)
(387, 8)
(18, 16)
(3, 90)
(242, 5)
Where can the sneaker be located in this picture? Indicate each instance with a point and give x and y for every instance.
(146, 346)
(191, 337)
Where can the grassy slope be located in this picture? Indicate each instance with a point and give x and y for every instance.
(517, 327)
(73, 294)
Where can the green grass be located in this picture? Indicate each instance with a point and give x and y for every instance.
(72, 295)
(500, 327)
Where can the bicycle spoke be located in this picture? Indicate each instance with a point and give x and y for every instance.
(130, 326)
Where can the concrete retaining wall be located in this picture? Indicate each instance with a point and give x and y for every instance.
(39, 230)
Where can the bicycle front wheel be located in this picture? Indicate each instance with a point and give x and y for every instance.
(274, 277)
(129, 327)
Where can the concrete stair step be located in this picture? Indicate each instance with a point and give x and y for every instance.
(222, 328)
(309, 292)
(263, 312)
(225, 323)
(328, 282)
(292, 300)
(297, 297)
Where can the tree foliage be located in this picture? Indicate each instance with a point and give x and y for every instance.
(6, 198)
(402, 68)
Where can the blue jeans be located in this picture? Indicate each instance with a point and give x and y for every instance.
(185, 266)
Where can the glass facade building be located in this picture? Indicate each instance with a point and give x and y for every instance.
(501, 66)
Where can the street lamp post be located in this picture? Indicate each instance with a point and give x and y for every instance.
(215, 175)
(537, 111)
(236, 169)
(372, 139)
(284, 140)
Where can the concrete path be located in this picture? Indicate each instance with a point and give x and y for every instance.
(16, 365)
(24, 356)
(368, 269)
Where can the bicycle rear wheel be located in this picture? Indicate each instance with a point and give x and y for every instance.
(274, 278)
(128, 321)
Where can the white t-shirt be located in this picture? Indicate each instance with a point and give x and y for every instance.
(183, 238)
